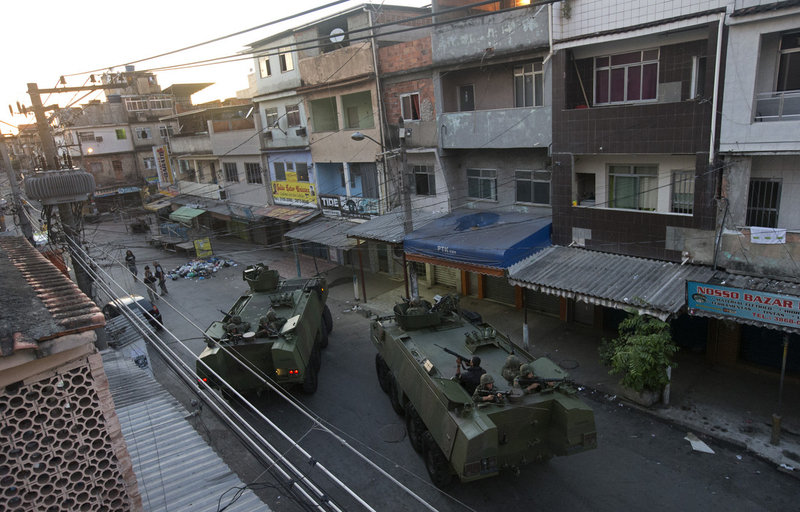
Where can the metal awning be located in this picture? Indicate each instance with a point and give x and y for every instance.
(656, 288)
(485, 242)
(325, 231)
(389, 227)
(288, 214)
(185, 214)
(157, 205)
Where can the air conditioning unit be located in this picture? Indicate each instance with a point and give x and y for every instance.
(301, 132)
(98, 139)
(223, 194)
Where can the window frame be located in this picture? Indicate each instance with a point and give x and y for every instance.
(637, 180)
(680, 181)
(135, 103)
(252, 172)
(403, 112)
(533, 180)
(285, 59)
(86, 136)
(609, 68)
(305, 173)
(160, 102)
(166, 130)
(271, 112)
(460, 88)
(429, 172)
(261, 61)
(484, 175)
(775, 184)
(282, 176)
(149, 163)
(293, 115)
(144, 130)
(122, 132)
(781, 53)
(519, 71)
(231, 170)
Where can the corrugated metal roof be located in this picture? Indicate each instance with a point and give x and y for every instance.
(38, 301)
(756, 9)
(325, 231)
(389, 227)
(657, 288)
(120, 332)
(175, 468)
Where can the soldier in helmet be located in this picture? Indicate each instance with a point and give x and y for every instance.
(236, 327)
(485, 392)
(511, 368)
(416, 307)
(269, 325)
(525, 378)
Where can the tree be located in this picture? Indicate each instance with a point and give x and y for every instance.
(642, 352)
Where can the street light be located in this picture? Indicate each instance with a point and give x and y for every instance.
(358, 137)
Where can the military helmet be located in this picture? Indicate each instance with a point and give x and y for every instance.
(262, 320)
(271, 315)
(513, 361)
(236, 319)
(486, 379)
(416, 301)
(525, 369)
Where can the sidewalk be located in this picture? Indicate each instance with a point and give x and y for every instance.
(733, 405)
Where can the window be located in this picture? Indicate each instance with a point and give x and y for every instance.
(86, 136)
(466, 98)
(789, 67)
(280, 171)
(253, 172)
(121, 133)
(533, 186)
(682, 192)
(424, 178)
(293, 114)
(263, 66)
(529, 85)
(324, 115)
(358, 108)
(184, 167)
(271, 114)
(118, 172)
(143, 132)
(285, 58)
(135, 103)
(626, 77)
(302, 171)
(698, 77)
(482, 184)
(409, 106)
(149, 163)
(633, 186)
(165, 131)
(161, 102)
(231, 172)
(763, 202)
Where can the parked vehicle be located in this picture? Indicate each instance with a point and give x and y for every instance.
(286, 349)
(415, 366)
(114, 308)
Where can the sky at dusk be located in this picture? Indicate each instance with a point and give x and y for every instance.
(44, 40)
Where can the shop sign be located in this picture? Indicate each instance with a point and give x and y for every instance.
(127, 190)
(770, 308)
(203, 247)
(293, 193)
(349, 206)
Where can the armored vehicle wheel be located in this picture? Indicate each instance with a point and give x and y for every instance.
(317, 355)
(435, 461)
(415, 427)
(382, 369)
(394, 392)
(327, 318)
(323, 341)
(309, 384)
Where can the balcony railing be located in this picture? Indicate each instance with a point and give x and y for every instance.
(778, 106)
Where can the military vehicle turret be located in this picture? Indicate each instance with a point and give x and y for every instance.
(457, 436)
(277, 328)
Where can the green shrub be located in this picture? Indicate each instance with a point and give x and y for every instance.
(642, 353)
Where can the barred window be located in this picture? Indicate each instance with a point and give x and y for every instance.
(253, 172)
(231, 172)
(682, 192)
(763, 203)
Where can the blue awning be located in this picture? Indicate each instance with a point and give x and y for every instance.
(469, 238)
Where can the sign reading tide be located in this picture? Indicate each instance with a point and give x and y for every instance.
(766, 307)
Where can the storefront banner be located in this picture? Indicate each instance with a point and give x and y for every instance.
(203, 247)
(349, 206)
(293, 193)
(161, 154)
(151, 179)
(766, 307)
(128, 190)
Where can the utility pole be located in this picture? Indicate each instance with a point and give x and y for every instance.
(27, 230)
(408, 223)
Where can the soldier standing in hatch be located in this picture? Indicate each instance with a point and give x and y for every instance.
(511, 368)
(485, 392)
(470, 379)
(525, 377)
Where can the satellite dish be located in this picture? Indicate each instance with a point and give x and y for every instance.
(337, 35)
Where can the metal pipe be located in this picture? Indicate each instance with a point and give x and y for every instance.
(715, 100)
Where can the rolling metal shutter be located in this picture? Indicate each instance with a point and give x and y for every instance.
(499, 289)
(539, 302)
(445, 276)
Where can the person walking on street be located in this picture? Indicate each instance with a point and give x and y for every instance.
(150, 282)
(162, 279)
(130, 260)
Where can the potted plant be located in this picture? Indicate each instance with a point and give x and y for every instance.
(642, 354)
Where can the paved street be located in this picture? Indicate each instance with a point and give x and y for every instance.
(640, 463)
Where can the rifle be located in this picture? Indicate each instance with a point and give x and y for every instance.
(453, 353)
(493, 393)
(527, 382)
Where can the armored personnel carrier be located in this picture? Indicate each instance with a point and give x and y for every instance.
(277, 328)
(416, 365)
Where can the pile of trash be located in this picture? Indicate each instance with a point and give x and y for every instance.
(200, 268)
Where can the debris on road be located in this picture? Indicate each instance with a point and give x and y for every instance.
(697, 444)
(199, 268)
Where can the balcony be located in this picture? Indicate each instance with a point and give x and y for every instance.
(199, 144)
(778, 106)
(342, 64)
(497, 129)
